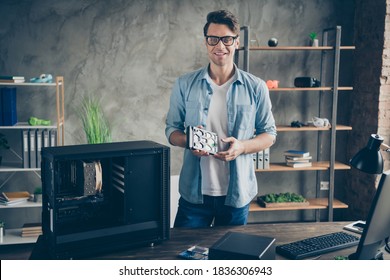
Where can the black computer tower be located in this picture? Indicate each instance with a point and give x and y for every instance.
(104, 197)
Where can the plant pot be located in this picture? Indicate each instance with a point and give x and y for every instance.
(314, 43)
(38, 197)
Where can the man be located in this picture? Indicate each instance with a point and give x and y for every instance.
(217, 189)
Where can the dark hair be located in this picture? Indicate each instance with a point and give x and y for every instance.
(222, 17)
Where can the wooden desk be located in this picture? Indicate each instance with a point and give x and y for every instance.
(182, 239)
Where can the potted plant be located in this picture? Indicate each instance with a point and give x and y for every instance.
(95, 123)
(38, 194)
(3, 145)
(313, 39)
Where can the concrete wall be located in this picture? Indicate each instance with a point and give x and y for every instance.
(128, 54)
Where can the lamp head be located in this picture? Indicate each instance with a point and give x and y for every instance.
(369, 159)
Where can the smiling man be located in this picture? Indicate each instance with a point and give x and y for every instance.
(217, 189)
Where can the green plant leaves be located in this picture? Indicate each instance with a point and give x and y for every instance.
(95, 124)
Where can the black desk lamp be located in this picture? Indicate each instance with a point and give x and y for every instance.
(369, 159)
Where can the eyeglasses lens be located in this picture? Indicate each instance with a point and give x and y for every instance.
(226, 40)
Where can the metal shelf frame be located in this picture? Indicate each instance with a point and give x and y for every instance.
(334, 49)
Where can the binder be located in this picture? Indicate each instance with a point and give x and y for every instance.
(8, 103)
(25, 153)
(266, 158)
(1, 110)
(45, 138)
(53, 138)
(260, 159)
(255, 160)
(32, 149)
(38, 141)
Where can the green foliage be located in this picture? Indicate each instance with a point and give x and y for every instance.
(283, 197)
(3, 142)
(313, 35)
(38, 190)
(341, 258)
(95, 124)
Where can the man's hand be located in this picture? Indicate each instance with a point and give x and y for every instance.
(200, 153)
(236, 148)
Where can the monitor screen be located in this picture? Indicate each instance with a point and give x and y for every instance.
(377, 230)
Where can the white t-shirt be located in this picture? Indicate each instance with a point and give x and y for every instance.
(215, 172)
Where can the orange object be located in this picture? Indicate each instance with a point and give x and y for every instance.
(272, 84)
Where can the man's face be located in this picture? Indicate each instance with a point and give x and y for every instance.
(221, 55)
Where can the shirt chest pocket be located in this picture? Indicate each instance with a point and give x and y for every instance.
(192, 113)
(245, 116)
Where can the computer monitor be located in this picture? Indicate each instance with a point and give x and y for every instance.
(377, 230)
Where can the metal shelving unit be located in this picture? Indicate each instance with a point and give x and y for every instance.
(317, 203)
(13, 236)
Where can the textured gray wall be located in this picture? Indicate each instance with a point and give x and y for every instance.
(128, 54)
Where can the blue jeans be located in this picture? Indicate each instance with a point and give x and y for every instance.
(213, 211)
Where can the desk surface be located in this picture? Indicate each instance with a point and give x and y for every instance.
(181, 239)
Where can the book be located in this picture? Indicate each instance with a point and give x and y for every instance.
(296, 153)
(32, 226)
(11, 81)
(11, 78)
(299, 164)
(8, 102)
(297, 161)
(290, 158)
(11, 198)
(31, 229)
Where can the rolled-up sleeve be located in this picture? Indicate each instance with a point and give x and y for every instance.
(265, 122)
(176, 113)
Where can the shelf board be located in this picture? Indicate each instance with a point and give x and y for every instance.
(284, 128)
(14, 236)
(314, 203)
(297, 48)
(29, 84)
(15, 167)
(320, 165)
(25, 125)
(26, 204)
(309, 89)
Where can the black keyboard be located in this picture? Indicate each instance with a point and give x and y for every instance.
(317, 245)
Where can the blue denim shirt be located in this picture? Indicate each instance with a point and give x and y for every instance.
(249, 109)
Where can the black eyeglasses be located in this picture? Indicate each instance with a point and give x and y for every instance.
(226, 40)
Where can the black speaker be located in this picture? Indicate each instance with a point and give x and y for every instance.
(306, 82)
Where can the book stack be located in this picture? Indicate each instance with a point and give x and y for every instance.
(12, 79)
(31, 229)
(12, 198)
(297, 158)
